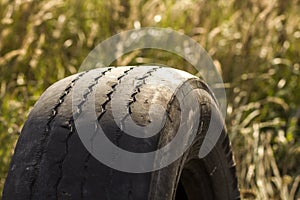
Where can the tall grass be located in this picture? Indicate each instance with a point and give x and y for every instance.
(255, 44)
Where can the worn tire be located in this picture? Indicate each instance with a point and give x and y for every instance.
(50, 161)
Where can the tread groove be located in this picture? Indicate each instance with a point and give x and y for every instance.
(137, 89)
(43, 141)
(71, 126)
(103, 106)
(90, 89)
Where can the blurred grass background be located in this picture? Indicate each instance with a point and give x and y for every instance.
(255, 44)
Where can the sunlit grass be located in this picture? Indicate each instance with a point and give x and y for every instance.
(255, 43)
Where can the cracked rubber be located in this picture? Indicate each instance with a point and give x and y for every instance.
(50, 161)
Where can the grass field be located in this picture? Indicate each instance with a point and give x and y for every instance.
(255, 45)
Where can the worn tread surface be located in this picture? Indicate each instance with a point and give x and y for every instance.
(50, 161)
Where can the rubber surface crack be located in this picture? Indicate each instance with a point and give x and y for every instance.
(45, 135)
(103, 110)
(137, 90)
(70, 124)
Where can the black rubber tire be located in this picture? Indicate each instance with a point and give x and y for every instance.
(50, 161)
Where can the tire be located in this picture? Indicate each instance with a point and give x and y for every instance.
(51, 162)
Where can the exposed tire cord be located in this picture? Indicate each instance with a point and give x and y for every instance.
(50, 161)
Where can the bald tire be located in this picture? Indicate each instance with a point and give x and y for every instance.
(51, 162)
